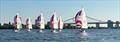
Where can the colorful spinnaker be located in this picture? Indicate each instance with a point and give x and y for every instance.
(80, 19)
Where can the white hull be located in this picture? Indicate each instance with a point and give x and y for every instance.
(40, 30)
(16, 30)
(54, 31)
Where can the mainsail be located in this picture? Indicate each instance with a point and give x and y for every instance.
(17, 22)
(60, 24)
(80, 19)
(54, 22)
(40, 22)
(28, 24)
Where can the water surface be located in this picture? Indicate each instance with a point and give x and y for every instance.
(67, 35)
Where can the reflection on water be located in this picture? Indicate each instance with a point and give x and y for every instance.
(66, 35)
(83, 34)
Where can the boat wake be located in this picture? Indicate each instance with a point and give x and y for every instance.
(83, 34)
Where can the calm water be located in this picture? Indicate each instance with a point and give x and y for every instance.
(67, 35)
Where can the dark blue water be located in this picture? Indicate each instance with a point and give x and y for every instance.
(67, 35)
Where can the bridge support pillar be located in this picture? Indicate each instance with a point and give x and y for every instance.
(117, 24)
(97, 25)
(110, 24)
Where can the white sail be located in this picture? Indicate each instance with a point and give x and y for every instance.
(28, 24)
(60, 24)
(17, 22)
(54, 22)
(40, 22)
(80, 19)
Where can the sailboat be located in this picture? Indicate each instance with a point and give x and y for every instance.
(28, 24)
(54, 23)
(60, 24)
(17, 23)
(40, 22)
(80, 21)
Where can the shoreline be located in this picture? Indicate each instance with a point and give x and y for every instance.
(70, 28)
(47, 26)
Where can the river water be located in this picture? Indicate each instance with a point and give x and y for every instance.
(67, 35)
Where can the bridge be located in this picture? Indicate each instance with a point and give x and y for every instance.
(109, 22)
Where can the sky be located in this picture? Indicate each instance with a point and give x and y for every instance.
(99, 9)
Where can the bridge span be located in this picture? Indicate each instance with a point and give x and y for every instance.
(109, 22)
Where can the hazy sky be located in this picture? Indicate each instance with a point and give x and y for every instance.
(99, 9)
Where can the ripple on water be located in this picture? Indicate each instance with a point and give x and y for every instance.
(67, 35)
